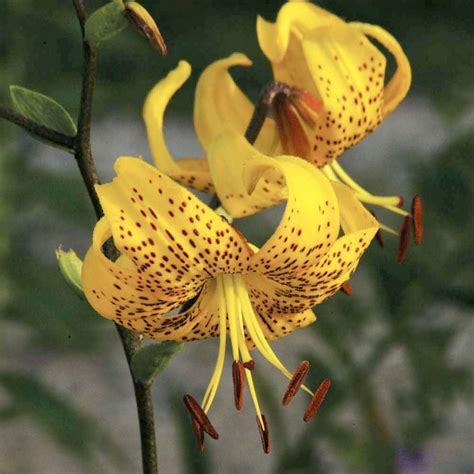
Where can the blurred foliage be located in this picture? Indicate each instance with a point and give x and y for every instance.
(418, 309)
(76, 432)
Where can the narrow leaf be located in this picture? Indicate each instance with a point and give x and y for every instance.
(152, 359)
(106, 22)
(43, 110)
(71, 266)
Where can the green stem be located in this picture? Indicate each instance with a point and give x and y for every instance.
(36, 129)
(83, 153)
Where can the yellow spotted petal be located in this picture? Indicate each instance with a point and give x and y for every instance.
(220, 104)
(348, 73)
(310, 223)
(397, 87)
(296, 18)
(192, 172)
(117, 293)
(227, 155)
(173, 239)
(199, 322)
(275, 324)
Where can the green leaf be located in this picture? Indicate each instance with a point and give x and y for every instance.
(71, 266)
(152, 359)
(105, 22)
(43, 110)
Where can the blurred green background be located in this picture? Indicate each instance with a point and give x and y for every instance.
(399, 351)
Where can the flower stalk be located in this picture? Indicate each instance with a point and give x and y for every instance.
(83, 154)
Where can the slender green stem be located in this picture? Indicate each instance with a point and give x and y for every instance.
(36, 129)
(83, 153)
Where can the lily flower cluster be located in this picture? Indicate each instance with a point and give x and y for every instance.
(175, 250)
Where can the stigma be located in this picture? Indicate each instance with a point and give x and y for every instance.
(239, 322)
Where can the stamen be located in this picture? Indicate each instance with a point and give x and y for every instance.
(314, 104)
(239, 383)
(401, 202)
(216, 376)
(417, 212)
(295, 382)
(404, 240)
(347, 288)
(198, 434)
(292, 134)
(200, 416)
(264, 434)
(250, 364)
(317, 400)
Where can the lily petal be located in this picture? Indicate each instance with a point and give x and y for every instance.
(173, 239)
(354, 216)
(348, 74)
(398, 86)
(192, 172)
(275, 324)
(294, 17)
(220, 103)
(127, 301)
(310, 223)
(227, 155)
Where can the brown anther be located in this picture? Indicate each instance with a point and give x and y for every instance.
(417, 213)
(310, 101)
(401, 201)
(379, 235)
(239, 383)
(295, 382)
(250, 364)
(200, 416)
(404, 239)
(292, 134)
(346, 288)
(198, 434)
(317, 400)
(264, 434)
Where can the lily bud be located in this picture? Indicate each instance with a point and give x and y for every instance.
(139, 17)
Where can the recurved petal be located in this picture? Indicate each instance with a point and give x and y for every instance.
(199, 322)
(310, 223)
(118, 292)
(399, 84)
(354, 216)
(348, 75)
(298, 18)
(192, 172)
(219, 104)
(227, 156)
(173, 239)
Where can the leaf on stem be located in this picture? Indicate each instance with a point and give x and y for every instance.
(152, 359)
(71, 266)
(43, 110)
(105, 22)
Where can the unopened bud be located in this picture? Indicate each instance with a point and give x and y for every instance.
(139, 17)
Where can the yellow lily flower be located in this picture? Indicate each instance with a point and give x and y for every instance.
(337, 96)
(174, 248)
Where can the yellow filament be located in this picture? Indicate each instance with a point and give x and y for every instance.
(389, 202)
(216, 376)
(257, 335)
(327, 170)
(231, 310)
(388, 229)
(246, 357)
